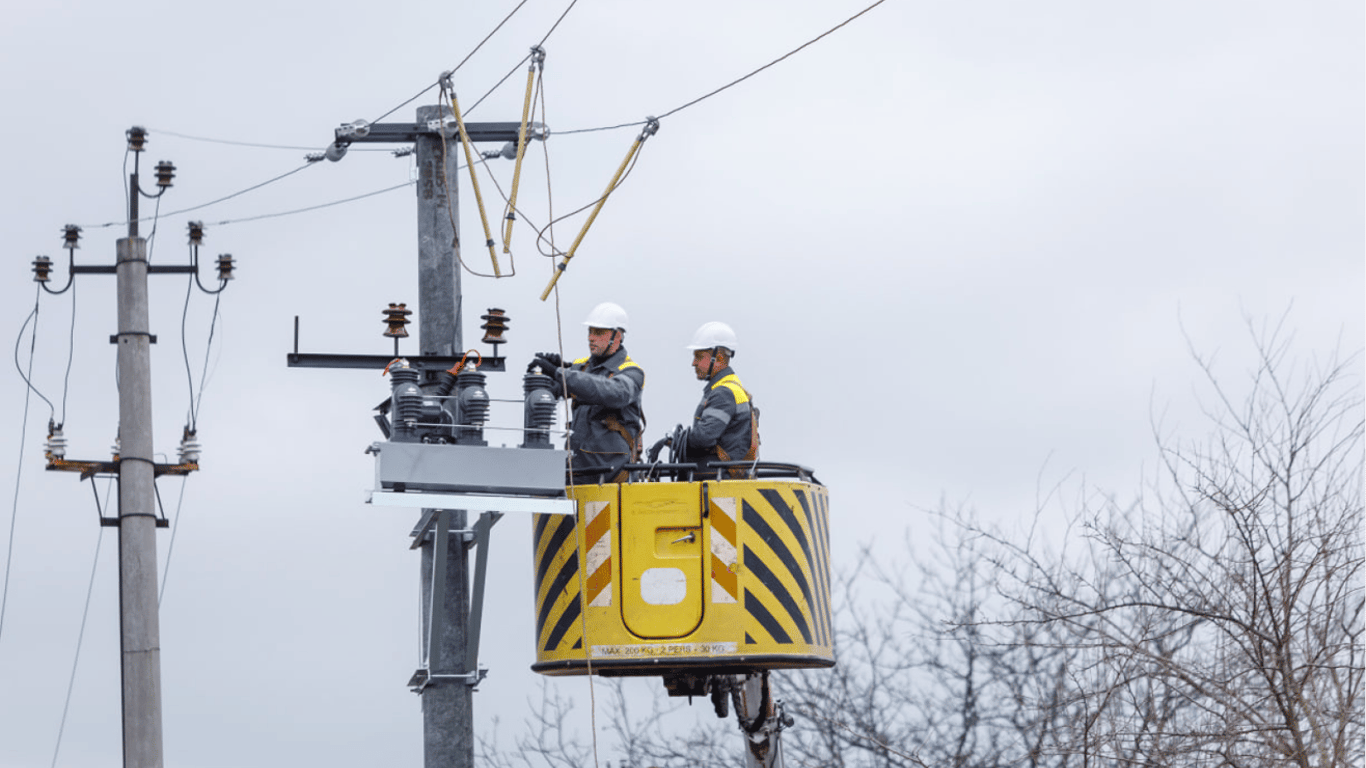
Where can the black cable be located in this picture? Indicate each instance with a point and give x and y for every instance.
(499, 84)
(732, 83)
(152, 238)
(204, 372)
(185, 348)
(572, 3)
(812, 41)
(420, 93)
(70, 351)
(32, 346)
(524, 58)
(19, 470)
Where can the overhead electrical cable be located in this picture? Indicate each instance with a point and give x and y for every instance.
(230, 142)
(487, 37)
(790, 53)
(80, 637)
(70, 351)
(170, 547)
(315, 207)
(212, 202)
(32, 316)
(732, 83)
(19, 470)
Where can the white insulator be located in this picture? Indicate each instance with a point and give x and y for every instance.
(190, 449)
(56, 444)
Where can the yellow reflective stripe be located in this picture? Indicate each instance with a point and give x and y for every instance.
(628, 364)
(581, 361)
(732, 383)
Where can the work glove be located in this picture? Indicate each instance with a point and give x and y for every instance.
(549, 362)
(553, 358)
(656, 448)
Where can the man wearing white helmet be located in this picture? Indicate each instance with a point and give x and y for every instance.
(725, 426)
(606, 389)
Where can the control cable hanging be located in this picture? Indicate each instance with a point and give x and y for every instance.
(537, 62)
(651, 127)
(446, 87)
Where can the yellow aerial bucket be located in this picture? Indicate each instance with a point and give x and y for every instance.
(665, 578)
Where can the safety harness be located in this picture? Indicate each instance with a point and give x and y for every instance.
(732, 382)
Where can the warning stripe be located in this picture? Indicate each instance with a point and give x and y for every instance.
(598, 539)
(724, 555)
(767, 576)
(784, 597)
(555, 540)
(820, 574)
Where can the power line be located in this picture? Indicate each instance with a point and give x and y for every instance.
(420, 93)
(230, 142)
(314, 207)
(732, 83)
(19, 470)
(80, 637)
(214, 202)
(792, 52)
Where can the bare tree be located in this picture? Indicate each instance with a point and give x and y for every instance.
(1215, 621)
(1220, 620)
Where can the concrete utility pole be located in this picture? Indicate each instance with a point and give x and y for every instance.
(139, 623)
(447, 681)
(447, 705)
(133, 463)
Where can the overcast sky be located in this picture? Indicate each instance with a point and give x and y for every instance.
(959, 243)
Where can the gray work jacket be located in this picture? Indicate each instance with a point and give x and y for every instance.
(606, 394)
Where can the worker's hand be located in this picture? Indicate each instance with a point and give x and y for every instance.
(656, 448)
(553, 359)
(549, 365)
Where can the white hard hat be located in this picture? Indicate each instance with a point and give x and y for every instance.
(607, 315)
(712, 335)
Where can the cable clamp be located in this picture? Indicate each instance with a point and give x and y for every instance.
(650, 129)
(114, 337)
(445, 126)
(122, 459)
(537, 56)
(358, 129)
(444, 80)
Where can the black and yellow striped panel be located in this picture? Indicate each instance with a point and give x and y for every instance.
(785, 560)
(557, 583)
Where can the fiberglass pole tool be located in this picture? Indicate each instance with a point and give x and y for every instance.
(537, 61)
(474, 179)
(651, 126)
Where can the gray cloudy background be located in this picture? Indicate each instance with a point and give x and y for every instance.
(959, 241)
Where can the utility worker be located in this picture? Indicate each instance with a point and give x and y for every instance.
(725, 426)
(606, 389)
